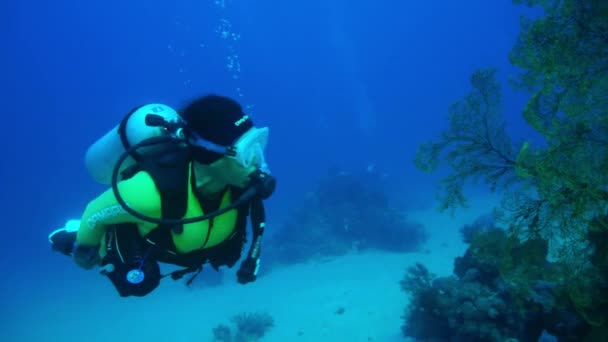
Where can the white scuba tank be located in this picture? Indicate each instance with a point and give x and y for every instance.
(102, 156)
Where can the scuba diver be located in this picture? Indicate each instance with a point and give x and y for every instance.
(182, 188)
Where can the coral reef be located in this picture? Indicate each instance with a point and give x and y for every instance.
(482, 224)
(345, 211)
(550, 262)
(222, 333)
(476, 146)
(463, 309)
(252, 326)
(248, 327)
(503, 288)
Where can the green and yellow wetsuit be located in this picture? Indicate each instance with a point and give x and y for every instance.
(142, 195)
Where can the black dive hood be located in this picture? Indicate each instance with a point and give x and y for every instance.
(261, 186)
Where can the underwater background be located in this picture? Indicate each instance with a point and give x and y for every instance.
(349, 89)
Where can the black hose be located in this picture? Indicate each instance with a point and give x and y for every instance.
(246, 196)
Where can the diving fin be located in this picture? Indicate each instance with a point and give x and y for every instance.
(62, 239)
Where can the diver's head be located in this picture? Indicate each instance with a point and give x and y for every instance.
(224, 140)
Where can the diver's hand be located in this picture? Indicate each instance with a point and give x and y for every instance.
(86, 256)
(248, 271)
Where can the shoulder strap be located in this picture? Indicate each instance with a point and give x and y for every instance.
(170, 171)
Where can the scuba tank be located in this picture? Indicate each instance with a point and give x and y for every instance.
(148, 133)
(103, 155)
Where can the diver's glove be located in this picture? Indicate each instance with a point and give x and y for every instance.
(86, 257)
(248, 271)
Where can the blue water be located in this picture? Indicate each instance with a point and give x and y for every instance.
(349, 84)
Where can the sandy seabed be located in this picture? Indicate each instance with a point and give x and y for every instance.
(356, 297)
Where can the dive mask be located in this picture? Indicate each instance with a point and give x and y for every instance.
(247, 150)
